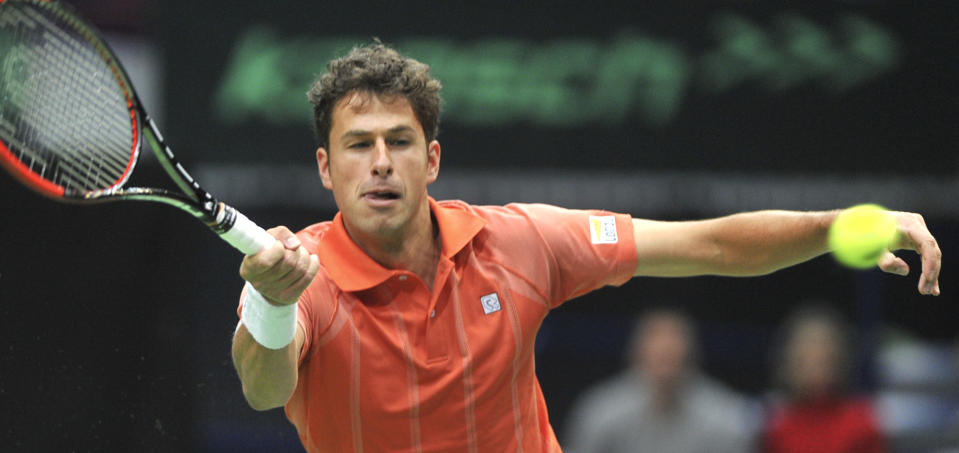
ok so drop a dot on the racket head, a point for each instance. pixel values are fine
(69, 118)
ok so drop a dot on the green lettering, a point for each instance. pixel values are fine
(253, 78)
(559, 78)
(566, 81)
(640, 73)
(869, 49)
(808, 53)
(744, 53)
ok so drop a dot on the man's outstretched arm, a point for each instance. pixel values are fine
(268, 375)
(762, 242)
(280, 273)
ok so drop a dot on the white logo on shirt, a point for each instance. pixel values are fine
(602, 229)
(490, 303)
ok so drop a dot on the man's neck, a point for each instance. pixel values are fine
(417, 248)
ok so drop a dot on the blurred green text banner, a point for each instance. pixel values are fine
(847, 88)
(566, 81)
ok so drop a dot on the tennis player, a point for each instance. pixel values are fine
(407, 324)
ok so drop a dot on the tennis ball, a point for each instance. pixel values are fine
(859, 235)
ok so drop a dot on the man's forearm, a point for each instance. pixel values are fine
(746, 244)
(268, 375)
(762, 242)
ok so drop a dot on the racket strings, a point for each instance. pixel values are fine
(64, 110)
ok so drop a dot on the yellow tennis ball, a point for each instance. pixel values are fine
(859, 235)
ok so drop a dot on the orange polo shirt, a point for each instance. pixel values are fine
(389, 366)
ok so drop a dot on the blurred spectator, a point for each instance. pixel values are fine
(816, 414)
(661, 404)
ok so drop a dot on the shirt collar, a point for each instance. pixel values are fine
(353, 270)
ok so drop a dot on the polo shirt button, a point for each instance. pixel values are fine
(433, 313)
(402, 278)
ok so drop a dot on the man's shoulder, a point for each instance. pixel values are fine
(456, 204)
(523, 212)
(462, 206)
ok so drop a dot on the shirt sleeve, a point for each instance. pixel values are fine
(584, 250)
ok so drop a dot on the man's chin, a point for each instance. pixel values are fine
(379, 223)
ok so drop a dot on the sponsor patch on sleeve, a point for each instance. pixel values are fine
(602, 229)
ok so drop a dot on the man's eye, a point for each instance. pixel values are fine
(360, 145)
(399, 142)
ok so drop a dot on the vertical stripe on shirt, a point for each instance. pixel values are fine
(469, 403)
(514, 322)
(413, 388)
(355, 418)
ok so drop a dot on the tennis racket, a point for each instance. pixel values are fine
(71, 125)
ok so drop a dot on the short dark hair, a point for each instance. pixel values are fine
(378, 69)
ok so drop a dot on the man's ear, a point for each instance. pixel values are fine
(323, 165)
(433, 152)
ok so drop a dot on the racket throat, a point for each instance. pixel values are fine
(177, 173)
(224, 218)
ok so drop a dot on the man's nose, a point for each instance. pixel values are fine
(382, 163)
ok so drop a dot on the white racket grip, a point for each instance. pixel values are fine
(247, 236)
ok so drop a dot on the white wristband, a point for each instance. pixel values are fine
(271, 325)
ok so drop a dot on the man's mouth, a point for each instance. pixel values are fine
(382, 195)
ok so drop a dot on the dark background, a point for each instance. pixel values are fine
(115, 320)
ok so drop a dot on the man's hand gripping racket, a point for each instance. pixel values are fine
(281, 271)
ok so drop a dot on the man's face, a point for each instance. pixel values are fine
(378, 164)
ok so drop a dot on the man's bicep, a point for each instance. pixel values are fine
(673, 249)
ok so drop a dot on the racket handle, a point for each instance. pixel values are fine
(244, 235)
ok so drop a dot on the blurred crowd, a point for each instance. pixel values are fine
(664, 403)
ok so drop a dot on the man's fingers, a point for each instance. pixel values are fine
(314, 266)
(285, 236)
(272, 262)
(931, 263)
(289, 277)
(916, 236)
(893, 264)
(283, 270)
(298, 262)
(925, 244)
(256, 266)
(304, 281)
